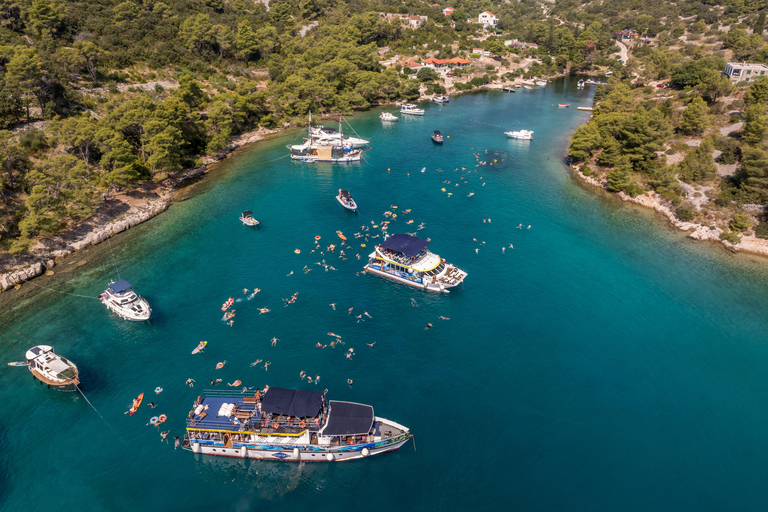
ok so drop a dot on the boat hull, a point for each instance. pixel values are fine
(311, 453)
(127, 315)
(68, 387)
(352, 208)
(419, 283)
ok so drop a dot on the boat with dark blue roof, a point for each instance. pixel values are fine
(404, 258)
(288, 425)
(120, 298)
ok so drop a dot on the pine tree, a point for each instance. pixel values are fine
(755, 124)
(696, 117)
(585, 140)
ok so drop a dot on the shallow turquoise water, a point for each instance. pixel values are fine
(604, 363)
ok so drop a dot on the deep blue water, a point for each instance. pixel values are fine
(604, 363)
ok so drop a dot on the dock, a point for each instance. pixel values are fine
(586, 109)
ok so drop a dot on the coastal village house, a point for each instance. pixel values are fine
(448, 11)
(487, 18)
(744, 72)
(626, 35)
(445, 65)
(413, 66)
(411, 20)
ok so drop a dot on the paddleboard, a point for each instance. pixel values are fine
(138, 403)
(200, 347)
(341, 235)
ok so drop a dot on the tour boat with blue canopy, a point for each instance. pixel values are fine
(50, 368)
(120, 298)
(288, 425)
(404, 258)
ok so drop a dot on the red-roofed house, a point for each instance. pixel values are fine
(413, 66)
(487, 18)
(533, 46)
(416, 21)
(448, 11)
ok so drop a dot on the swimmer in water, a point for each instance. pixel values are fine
(237, 383)
(371, 344)
(333, 305)
(221, 364)
(263, 310)
(350, 382)
(429, 326)
(274, 341)
(266, 365)
(444, 318)
(191, 382)
(256, 362)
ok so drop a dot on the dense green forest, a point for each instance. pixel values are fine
(673, 141)
(97, 97)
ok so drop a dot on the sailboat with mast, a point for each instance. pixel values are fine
(322, 149)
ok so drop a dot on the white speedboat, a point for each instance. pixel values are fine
(527, 87)
(441, 99)
(346, 200)
(541, 83)
(120, 298)
(405, 259)
(247, 218)
(411, 109)
(386, 116)
(50, 368)
(520, 134)
(291, 425)
(580, 84)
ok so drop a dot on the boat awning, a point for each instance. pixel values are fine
(58, 365)
(406, 244)
(120, 286)
(247, 213)
(345, 194)
(437, 133)
(348, 419)
(292, 402)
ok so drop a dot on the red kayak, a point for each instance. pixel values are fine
(136, 403)
(563, 104)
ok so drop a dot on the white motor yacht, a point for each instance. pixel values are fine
(520, 134)
(120, 298)
(411, 109)
(386, 116)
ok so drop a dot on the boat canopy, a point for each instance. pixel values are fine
(58, 366)
(247, 213)
(348, 419)
(120, 286)
(292, 402)
(406, 244)
(38, 350)
(345, 194)
(437, 133)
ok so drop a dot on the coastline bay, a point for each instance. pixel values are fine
(604, 362)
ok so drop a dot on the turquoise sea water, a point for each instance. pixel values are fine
(604, 363)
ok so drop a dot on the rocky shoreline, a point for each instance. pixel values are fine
(113, 216)
(749, 243)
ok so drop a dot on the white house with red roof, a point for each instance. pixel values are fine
(448, 11)
(487, 18)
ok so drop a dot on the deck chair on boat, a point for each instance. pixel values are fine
(199, 418)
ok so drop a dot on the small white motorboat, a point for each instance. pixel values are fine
(345, 199)
(120, 298)
(441, 99)
(541, 83)
(386, 116)
(411, 109)
(247, 218)
(520, 134)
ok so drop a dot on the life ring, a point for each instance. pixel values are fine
(317, 237)
(158, 390)
(162, 418)
(154, 420)
(302, 424)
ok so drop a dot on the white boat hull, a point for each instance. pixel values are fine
(352, 207)
(128, 314)
(410, 281)
(311, 453)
